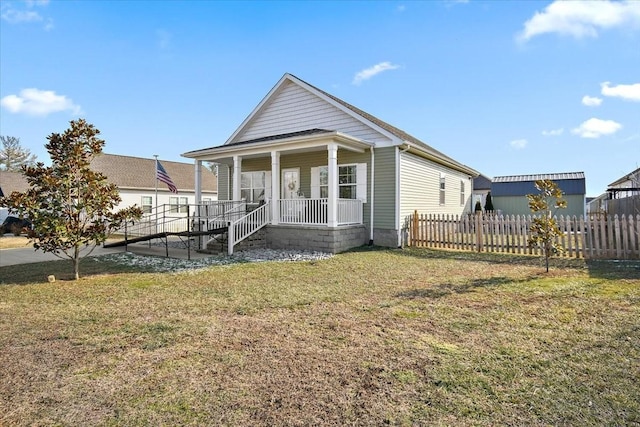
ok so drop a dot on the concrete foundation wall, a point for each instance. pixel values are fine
(332, 240)
(387, 238)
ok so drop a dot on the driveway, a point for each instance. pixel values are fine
(28, 255)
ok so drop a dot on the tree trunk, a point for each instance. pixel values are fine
(76, 262)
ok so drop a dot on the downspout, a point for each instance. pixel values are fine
(398, 154)
(373, 174)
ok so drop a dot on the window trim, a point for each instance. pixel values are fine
(266, 190)
(360, 183)
(181, 206)
(146, 208)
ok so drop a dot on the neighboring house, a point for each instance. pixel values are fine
(135, 178)
(334, 176)
(481, 187)
(509, 193)
(136, 181)
(10, 182)
(623, 195)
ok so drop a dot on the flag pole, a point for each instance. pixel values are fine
(155, 176)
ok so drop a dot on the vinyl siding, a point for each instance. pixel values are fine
(420, 187)
(519, 205)
(223, 182)
(385, 189)
(294, 109)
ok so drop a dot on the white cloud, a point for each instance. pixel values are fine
(366, 74)
(14, 15)
(35, 102)
(553, 132)
(595, 128)
(518, 144)
(591, 101)
(401, 8)
(627, 92)
(582, 18)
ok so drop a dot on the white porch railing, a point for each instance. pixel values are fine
(218, 213)
(349, 211)
(243, 227)
(314, 211)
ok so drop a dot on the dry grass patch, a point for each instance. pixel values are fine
(365, 338)
(9, 241)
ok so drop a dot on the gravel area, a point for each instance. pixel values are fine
(161, 264)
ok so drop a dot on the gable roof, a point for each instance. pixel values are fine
(571, 183)
(396, 135)
(140, 173)
(633, 176)
(536, 177)
(128, 173)
(482, 182)
(13, 181)
(396, 132)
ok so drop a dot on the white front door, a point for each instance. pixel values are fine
(290, 183)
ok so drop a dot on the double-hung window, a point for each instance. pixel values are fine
(147, 204)
(352, 182)
(347, 181)
(254, 186)
(442, 189)
(178, 204)
(462, 198)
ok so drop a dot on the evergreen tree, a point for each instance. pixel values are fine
(13, 156)
(488, 204)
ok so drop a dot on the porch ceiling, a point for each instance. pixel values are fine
(298, 142)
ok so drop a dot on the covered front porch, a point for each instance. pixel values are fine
(315, 178)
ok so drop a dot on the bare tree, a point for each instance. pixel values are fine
(13, 156)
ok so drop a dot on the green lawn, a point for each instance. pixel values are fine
(378, 337)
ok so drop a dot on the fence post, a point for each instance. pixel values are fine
(414, 229)
(230, 238)
(478, 232)
(188, 236)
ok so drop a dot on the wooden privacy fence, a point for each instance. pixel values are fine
(609, 237)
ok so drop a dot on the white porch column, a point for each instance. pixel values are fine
(332, 196)
(275, 187)
(198, 167)
(237, 169)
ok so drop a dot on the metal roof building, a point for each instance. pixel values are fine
(509, 193)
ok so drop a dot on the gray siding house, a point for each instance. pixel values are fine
(330, 176)
(509, 193)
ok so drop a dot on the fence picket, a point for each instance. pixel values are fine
(588, 237)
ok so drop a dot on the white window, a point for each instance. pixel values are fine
(352, 182)
(255, 186)
(442, 189)
(178, 204)
(147, 204)
(462, 198)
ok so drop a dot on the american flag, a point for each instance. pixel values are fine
(163, 176)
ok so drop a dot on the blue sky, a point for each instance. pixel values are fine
(505, 87)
